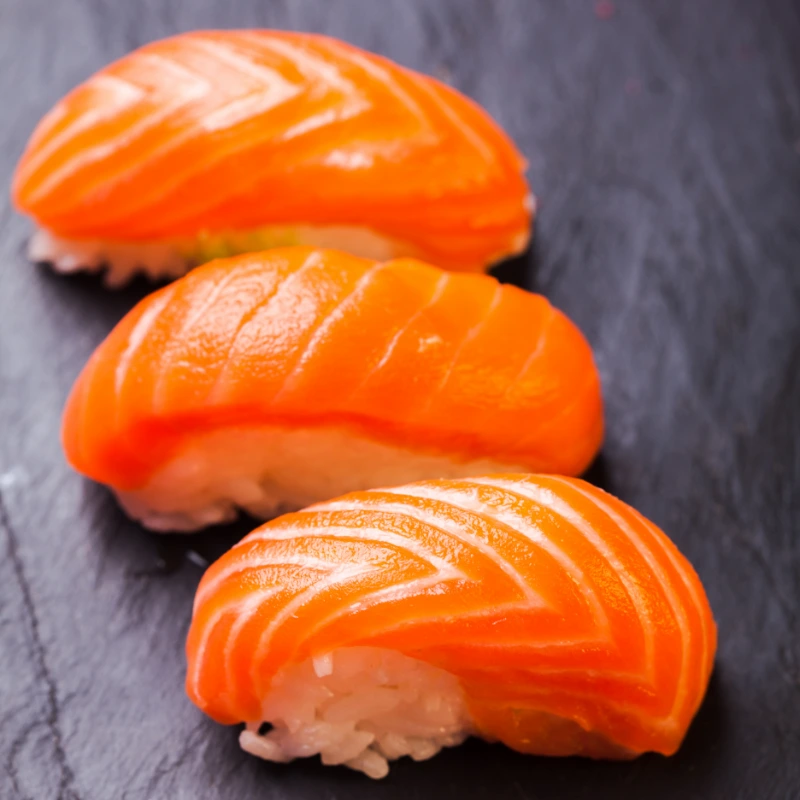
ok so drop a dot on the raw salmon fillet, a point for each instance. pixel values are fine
(286, 377)
(571, 623)
(216, 142)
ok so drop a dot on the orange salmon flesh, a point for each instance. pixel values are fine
(229, 131)
(572, 623)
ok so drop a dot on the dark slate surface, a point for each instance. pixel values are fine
(664, 143)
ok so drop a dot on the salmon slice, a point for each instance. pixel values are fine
(533, 610)
(217, 142)
(278, 379)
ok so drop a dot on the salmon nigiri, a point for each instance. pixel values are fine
(537, 611)
(213, 143)
(278, 379)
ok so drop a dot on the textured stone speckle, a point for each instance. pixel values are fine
(667, 168)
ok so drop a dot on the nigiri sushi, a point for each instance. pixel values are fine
(537, 611)
(270, 381)
(214, 143)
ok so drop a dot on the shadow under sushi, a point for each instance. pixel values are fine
(519, 270)
(478, 770)
(599, 474)
(148, 553)
(85, 296)
(481, 771)
(201, 548)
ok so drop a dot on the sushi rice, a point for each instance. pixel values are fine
(171, 258)
(362, 707)
(266, 469)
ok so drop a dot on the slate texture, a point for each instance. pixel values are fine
(664, 145)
